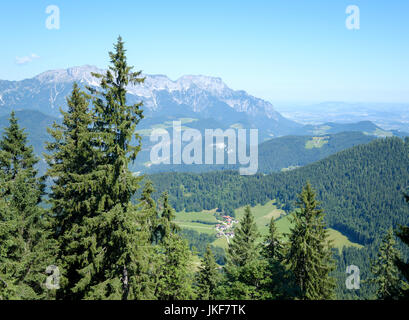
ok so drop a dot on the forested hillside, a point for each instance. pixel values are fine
(292, 151)
(101, 239)
(360, 188)
(36, 124)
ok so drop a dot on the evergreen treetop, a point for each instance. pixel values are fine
(208, 277)
(386, 275)
(26, 247)
(310, 255)
(243, 247)
(403, 266)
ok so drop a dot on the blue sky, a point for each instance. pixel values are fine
(286, 50)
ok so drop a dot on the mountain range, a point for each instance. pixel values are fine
(199, 102)
(199, 97)
(390, 116)
(203, 98)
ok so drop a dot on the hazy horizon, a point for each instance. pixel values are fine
(278, 51)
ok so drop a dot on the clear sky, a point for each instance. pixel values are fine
(280, 50)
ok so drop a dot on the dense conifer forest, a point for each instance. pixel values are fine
(101, 232)
(361, 190)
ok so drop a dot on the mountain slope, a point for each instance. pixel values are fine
(297, 151)
(283, 153)
(35, 124)
(360, 188)
(202, 96)
(274, 154)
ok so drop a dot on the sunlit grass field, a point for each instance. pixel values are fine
(262, 215)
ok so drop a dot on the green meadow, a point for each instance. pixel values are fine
(339, 240)
(316, 142)
(204, 222)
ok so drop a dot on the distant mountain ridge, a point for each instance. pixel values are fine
(283, 153)
(360, 188)
(199, 102)
(189, 96)
(193, 84)
(390, 116)
(202, 98)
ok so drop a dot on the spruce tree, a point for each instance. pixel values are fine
(310, 255)
(280, 283)
(26, 247)
(167, 225)
(173, 261)
(149, 208)
(75, 190)
(122, 234)
(208, 277)
(386, 275)
(16, 155)
(274, 246)
(107, 236)
(403, 266)
(174, 276)
(243, 248)
(245, 271)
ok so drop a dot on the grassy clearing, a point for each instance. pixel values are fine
(262, 215)
(189, 220)
(205, 215)
(316, 142)
(195, 263)
(339, 240)
(199, 227)
(284, 224)
(221, 242)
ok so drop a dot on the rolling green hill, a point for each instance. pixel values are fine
(360, 188)
(205, 221)
(296, 151)
(35, 124)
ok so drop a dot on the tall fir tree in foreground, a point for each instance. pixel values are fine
(280, 283)
(26, 246)
(104, 235)
(166, 223)
(174, 269)
(75, 192)
(242, 247)
(403, 266)
(245, 271)
(150, 211)
(208, 277)
(122, 233)
(310, 255)
(386, 275)
(173, 273)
